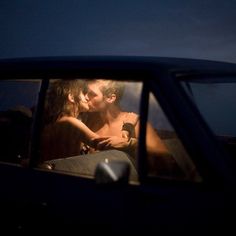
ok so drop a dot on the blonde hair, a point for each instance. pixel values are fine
(109, 87)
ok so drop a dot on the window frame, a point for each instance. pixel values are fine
(213, 167)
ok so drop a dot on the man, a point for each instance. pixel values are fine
(106, 118)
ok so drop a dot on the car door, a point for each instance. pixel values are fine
(58, 200)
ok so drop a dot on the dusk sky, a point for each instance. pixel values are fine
(169, 28)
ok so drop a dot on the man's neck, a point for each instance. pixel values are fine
(110, 115)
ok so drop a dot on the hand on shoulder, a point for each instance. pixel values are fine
(132, 118)
(129, 123)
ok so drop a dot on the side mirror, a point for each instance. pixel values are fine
(112, 172)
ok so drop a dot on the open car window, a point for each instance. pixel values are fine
(66, 150)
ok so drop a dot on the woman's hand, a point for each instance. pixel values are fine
(129, 123)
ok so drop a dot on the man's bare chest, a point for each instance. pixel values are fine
(110, 130)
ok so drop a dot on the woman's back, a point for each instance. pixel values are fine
(59, 140)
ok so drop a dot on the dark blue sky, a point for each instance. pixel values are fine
(191, 29)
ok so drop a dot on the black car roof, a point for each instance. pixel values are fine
(112, 62)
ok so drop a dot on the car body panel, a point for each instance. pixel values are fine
(33, 199)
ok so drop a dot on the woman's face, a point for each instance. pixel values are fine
(83, 104)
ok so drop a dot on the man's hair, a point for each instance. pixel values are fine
(109, 87)
(56, 103)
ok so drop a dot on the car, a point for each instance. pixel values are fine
(191, 105)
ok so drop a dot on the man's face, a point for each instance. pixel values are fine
(96, 101)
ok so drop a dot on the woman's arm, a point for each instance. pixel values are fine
(86, 135)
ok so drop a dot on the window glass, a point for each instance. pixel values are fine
(167, 157)
(215, 99)
(18, 99)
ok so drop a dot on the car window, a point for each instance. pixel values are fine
(18, 99)
(66, 148)
(215, 99)
(178, 164)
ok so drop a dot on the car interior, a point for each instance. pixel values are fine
(18, 114)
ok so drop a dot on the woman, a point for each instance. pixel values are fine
(63, 134)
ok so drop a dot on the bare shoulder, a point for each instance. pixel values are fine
(72, 121)
(68, 119)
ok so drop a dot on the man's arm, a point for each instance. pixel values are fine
(160, 160)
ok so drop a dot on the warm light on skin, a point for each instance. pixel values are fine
(83, 103)
(95, 97)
